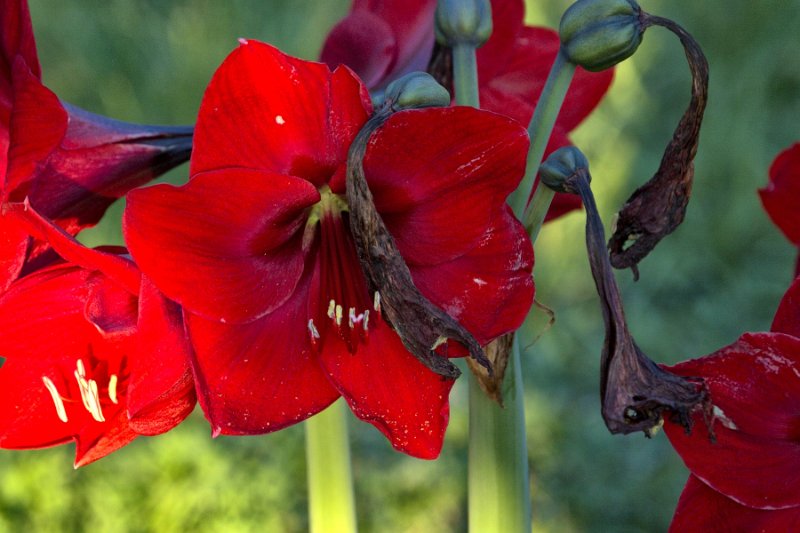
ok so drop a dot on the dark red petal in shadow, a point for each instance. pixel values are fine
(781, 196)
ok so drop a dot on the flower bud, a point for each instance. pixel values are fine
(598, 34)
(560, 166)
(415, 90)
(463, 22)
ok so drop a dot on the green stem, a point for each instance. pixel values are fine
(498, 484)
(465, 75)
(540, 128)
(499, 487)
(331, 503)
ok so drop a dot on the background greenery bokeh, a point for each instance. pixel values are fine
(719, 275)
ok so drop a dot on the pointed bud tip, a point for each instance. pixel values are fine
(598, 34)
(463, 22)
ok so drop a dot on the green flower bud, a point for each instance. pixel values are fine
(416, 89)
(562, 164)
(463, 22)
(598, 34)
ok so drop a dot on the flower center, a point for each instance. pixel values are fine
(101, 386)
(344, 304)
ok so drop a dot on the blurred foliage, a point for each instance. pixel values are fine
(719, 275)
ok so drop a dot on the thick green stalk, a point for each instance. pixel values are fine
(540, 128)
(498, 484)
(331, 503)
(498, 481)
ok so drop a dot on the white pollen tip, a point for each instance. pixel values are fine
(81, 368)
(243, 41)
(366, 320)
(351, 317)
(339, 315)
(331, 309)
(376, 302)
(112, 388)
(279, 120)
(312, 330)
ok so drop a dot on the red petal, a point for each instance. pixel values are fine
(438, 197)
(755, 387)
(13, 247)
(160, 388)
(787, 318)
(507, 22)
(16, 37)
(261, 376)
(704, 509)
(489, 289)
(235, 233)
(387, 387)
(38, 123)
(268, 111)
(116, 267)
(364, 42)
(111, 309)
(51, 301)
(102, 439)
(781, 196)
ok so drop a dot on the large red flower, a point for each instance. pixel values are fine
(99, 358)
(754, 458)
(71, 164)
(383, 39)
(256, 246)
(781, 196)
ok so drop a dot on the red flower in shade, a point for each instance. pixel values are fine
(383, 39)
(99, 358)
(71, 164)
(781, 196)
(256, 246)
(749, 474)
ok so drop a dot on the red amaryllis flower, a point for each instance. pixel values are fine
(99, 355)
(256, 246)
(781, 196)
(383, 39)
(71, 164)
(754, 458)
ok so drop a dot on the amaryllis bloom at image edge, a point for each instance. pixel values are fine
(781, 196)
(383, 40)
(68, 163)
(748, 475)
(93, 352)
(257, 249)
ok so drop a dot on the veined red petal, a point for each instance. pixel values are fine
(161, 387)
(507, 22)
(489, 289)
(754, 385)
(268, 111)
(260, 376)
(787, 318)
(781, 196)
(237, 233)
(701, 508)
(386, 386)
(16, 37)
(438, 197)
(100, 440)
(14, 242)
(109, 307)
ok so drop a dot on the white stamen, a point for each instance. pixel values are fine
(81, 369)
(376, 302)
(112, 388)
(89, 393)
(338, 315)
(279, 120)
(51, 388)
(366, 319)
(312, 330)
(351, 317)
(83, 386)
(94, 401)
(331, 309)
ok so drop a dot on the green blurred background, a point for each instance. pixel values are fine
(722, 273)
